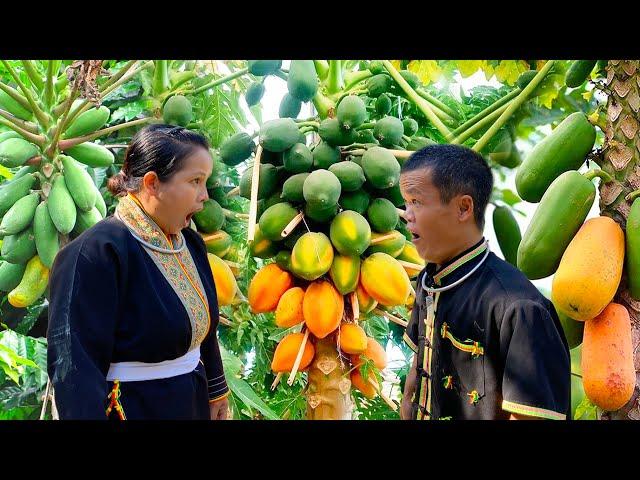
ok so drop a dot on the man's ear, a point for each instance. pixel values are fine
(465, 208)
(151, 183)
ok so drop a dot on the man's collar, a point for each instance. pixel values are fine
(464, 258)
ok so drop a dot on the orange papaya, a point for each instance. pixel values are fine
(352, 339)
(289, 309)
(385, 280)
(322, 307)
(287, 351)
(266, 288)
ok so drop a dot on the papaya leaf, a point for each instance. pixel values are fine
(510, 198)
(245, 393)
(586, 410)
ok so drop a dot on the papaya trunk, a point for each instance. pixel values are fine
(621, 159)
(328, 391)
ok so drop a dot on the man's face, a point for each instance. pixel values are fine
(436, 227)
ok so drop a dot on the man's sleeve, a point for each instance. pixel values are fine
(536, 379)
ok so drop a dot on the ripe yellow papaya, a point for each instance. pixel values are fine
(289, 309)
(322, 307)
(32, 286)
(374, 352)
(590, 269)
(385, 280)
(366, 388)
(225, 281)
(366, 302)
(352, 339)
(266, 288)
(287, 351)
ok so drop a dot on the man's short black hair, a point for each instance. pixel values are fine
(456, 170)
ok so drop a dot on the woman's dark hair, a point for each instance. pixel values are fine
(156, 148)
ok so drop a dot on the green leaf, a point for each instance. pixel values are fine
(243, 390)
(128, 111)
(586, 410)
(510, 198)
(10, 372)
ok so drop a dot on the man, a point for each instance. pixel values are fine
(488, 345)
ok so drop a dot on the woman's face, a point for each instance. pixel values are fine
(184, 193)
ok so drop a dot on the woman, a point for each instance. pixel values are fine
(133, 308)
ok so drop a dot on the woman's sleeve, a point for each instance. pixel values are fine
(84, 299)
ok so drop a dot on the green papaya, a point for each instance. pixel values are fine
(218, 243)
(561, 212)
(380, 168)
(376, 67)
(345, 273)
(254, 93)
(289, 107)
(177, 110)
(349, 174)
(100, 205)
(264, 204)
(10, 134)
(632, 251)
(325, 155)
(85, 221)
(392, 246)
(322, 188)
(292, 188)
(302, 82)
(320, 213)
(14, 152)
(366, 136)
(262, 247)
(88, 122)
(378, 84)
(61, 206)
(525, 78)
(357, 201)
(210, 218)
(236, 149)
(19, 248)
(410, 127)
(383, 104)
(393, 194)
(564, 149)
(401, 226)
(261, 68)
(79, 183)
(351, 112)
(411, 78)
(46, 235)
(350, 233)
(382, 215)
(274, 158)
(573, 329)
(578, 72)
(388, 131)
(283, 260)
(418, 143)
(10, 275)
(14, 190)
(267, 183)
(331, 132)
(279, 135)
(298, 159)
(275, 219)
(20, 215)
(8, 103)
(91, 154)
(507, 232)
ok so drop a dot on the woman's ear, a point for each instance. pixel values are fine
(151, 183)
(465, 208)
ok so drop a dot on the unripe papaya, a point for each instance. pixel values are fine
(236, 149)
(382, 215)
(20, 215)
(225, 281)
(287, 350)
(366, 302)
(345, 273)
(292, 188)
(279, 135)
(357, 201)
(312, 256)
(322, 188)
(410, 127)
(100, 205)
(351, 112)
(10, 134)
(418, 143)
(302, 82)
(325, 155)
(14, 152)
(261, 68)
(87, 122)
(298, 159)
(254, 93)
(283, 260)
(378, 84)
(383, 104)
(350, 233)
(320, 213)
(289, 309)
(578, 72)
(79, 183)
(19, 248)
(388, 131)
(218, 243)
(589, 275)
(507, 232)
(267, 183)
(275, 219)
(380, 168)
(374, 352)
(349, 174)
(322, 307)
(352, 339)
(8, 103)
(211, 218)
(608, 372)
(392, 246)
(61, 206)
(10, 275)
(573, 329)
(177, 110)
(632, 250)
(32, 286)
(410, 254)
(366, 388)
(261, 246)
(331, 132)
(46, 235)
(85, 220)
(91, 154)
(266, 288)
(395, 288)
(289, 107)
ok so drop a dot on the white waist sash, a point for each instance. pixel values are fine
(137, 371)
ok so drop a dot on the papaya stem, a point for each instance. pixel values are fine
(393, 318)
(334, 80)
(160, 77)
(310, 123)
(225, 321)
(490, 109)
(37, 111)
(32, 73)
(219, 81)
(282, 75)
(323, 105)
(421, 103)
(13, 93)
(513, 106)
(68, 143)
(479, 125)
(438, 103)
(593, 173)
(63, 120)
(253, 205)
(632, 196)
(322, 68)
(119, 74)
(48, 91)
(231, 214)
(37, 139)
(351, 79)
(28, 126)
(406, 138)
(233, 192)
